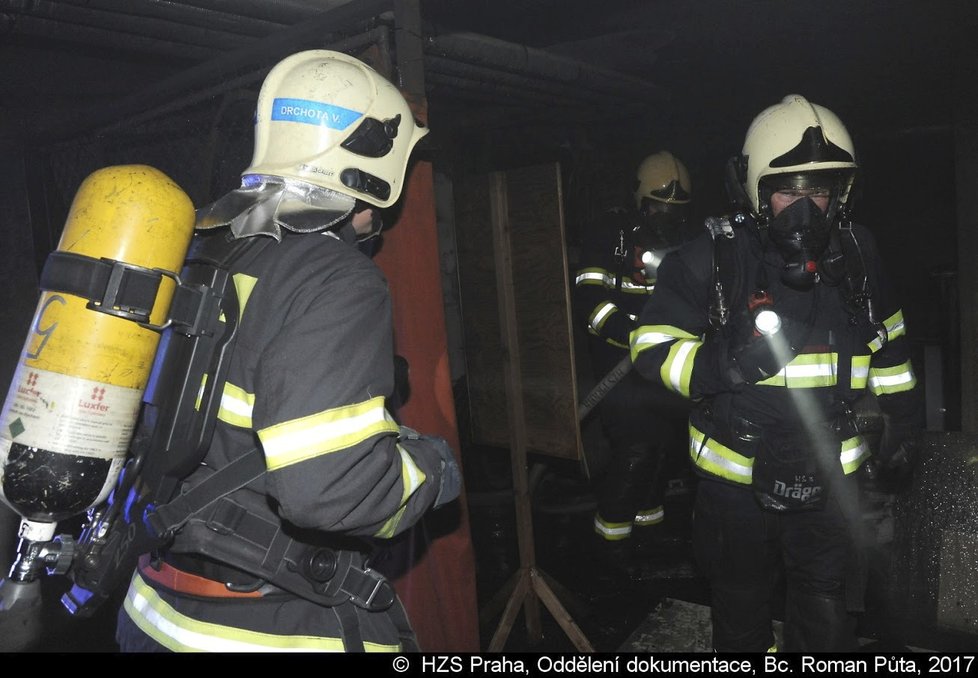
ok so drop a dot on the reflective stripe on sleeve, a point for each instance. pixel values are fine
(236, 406)
(860, 372)
(600, 316)
(337, 429)
(411, 479)
(677, 368)
(649, 336)
(595, 276)
(886, 380)
(895, 326)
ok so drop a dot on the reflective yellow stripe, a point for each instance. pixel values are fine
(719, 459)
(236, 406)
(180, 633)
(200, 392)
(244, 285)
(885, 380)
(632, 287)
(648, 336)
(677, 368)
(411, 479)
(595, 276)
(337, 429)
(604, 278)
(652, 516)
(612, 531)
(601, 315)
(895, 327)
(860, 372)
(855, 451)
(809, 370)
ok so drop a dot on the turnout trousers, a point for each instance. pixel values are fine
(743, 550)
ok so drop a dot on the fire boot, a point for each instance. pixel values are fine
(818, 623)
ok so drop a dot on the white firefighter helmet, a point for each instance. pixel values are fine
(328, 119)
(796, 142)
(663, 178)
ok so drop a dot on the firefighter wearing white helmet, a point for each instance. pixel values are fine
(771, 433)
(309, 384)
(642, 421)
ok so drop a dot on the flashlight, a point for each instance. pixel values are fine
(766, 320)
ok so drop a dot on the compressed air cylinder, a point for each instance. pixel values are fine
(75, 397)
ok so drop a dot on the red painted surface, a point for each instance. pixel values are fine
(439, 588)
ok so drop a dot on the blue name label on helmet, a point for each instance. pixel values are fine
(314, 113)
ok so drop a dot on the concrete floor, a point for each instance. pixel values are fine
(656, 601)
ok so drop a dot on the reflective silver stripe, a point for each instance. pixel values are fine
(860, 372)
(648, 339)
(329, 431)
(650, 517)
(679, 365)
(612, 531)
(891, 379)
(236, 406)
(592, 276)
(854, 451)
(895, 326)
(411, 479)
(719, 459)
(810, 370)
(601, 315)
(632, 286)
(178, 632)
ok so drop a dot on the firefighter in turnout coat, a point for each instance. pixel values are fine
(774, 323)
(642, 421)
(311, 371)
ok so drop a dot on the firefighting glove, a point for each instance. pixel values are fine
(891, 469)
(450, 476)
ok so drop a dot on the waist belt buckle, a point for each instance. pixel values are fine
(381, 595)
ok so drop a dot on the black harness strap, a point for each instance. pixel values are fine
(251, 543)
(113, 287)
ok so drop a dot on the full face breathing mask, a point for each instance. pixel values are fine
(801, 233)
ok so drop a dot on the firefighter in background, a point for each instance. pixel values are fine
(772, 435)
(642, 421)
(311, 371)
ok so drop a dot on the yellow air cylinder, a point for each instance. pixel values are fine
(72, 407)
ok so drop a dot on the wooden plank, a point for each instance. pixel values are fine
(565, 621)
(542, 309)
(513, 377)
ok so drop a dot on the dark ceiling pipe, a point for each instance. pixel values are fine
(107, 27)
(482, 50)
(258, 53)
(543, 89)
(80, 37)
(252, 79)
(190, 15)
(493, 92)
(271, 10)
